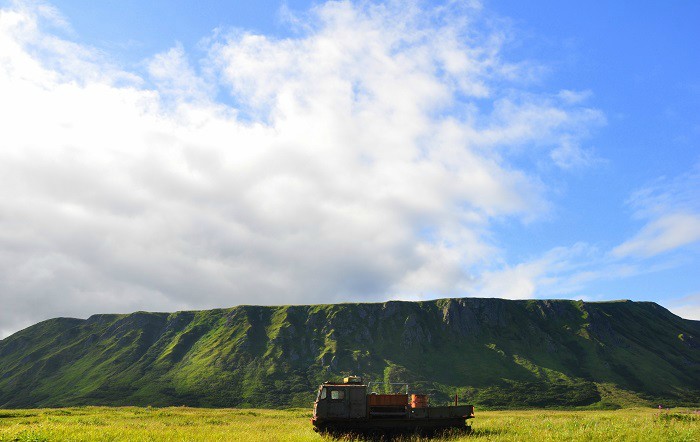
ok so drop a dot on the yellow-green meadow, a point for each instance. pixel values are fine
(190, 424)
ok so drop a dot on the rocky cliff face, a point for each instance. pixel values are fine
(494, 352)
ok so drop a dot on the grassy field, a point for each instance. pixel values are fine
(188, 424)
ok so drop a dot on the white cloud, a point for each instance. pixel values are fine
(687, 307)
(353, 163)
(570, 155)
(671, 209)
(662, 234)
(574, 97)
(559, 272)
(173, 75)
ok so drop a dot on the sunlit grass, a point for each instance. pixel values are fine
(188, 424)
(635, 424)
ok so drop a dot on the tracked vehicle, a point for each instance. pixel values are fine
(351, 407)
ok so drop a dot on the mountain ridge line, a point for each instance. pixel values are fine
(496, 352)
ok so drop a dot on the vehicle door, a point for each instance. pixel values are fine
(358, 402)
(321, 404)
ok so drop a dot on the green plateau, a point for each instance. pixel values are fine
(493, 353)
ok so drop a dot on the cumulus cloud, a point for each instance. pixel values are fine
(365, 157)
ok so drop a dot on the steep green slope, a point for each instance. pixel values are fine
(494, 352)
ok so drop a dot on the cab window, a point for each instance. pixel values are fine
(337, 394)
(322, 394)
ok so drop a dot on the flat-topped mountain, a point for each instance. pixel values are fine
(492, 352)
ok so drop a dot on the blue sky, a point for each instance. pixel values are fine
(188, 155)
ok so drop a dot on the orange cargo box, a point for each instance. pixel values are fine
(387, 400)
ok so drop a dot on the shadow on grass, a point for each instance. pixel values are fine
(487, 432)
(440, 436)
(680, 417)
(11, 414)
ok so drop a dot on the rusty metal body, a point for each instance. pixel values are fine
(346, 407)
(419, 400)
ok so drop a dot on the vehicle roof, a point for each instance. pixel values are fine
(342, 384)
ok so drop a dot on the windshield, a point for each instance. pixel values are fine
(321, 394)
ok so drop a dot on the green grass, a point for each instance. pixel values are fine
(154, 424)
(191, 424)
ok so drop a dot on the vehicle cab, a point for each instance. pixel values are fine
(341, 400)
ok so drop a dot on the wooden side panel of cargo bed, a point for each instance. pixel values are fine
(387, 400)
